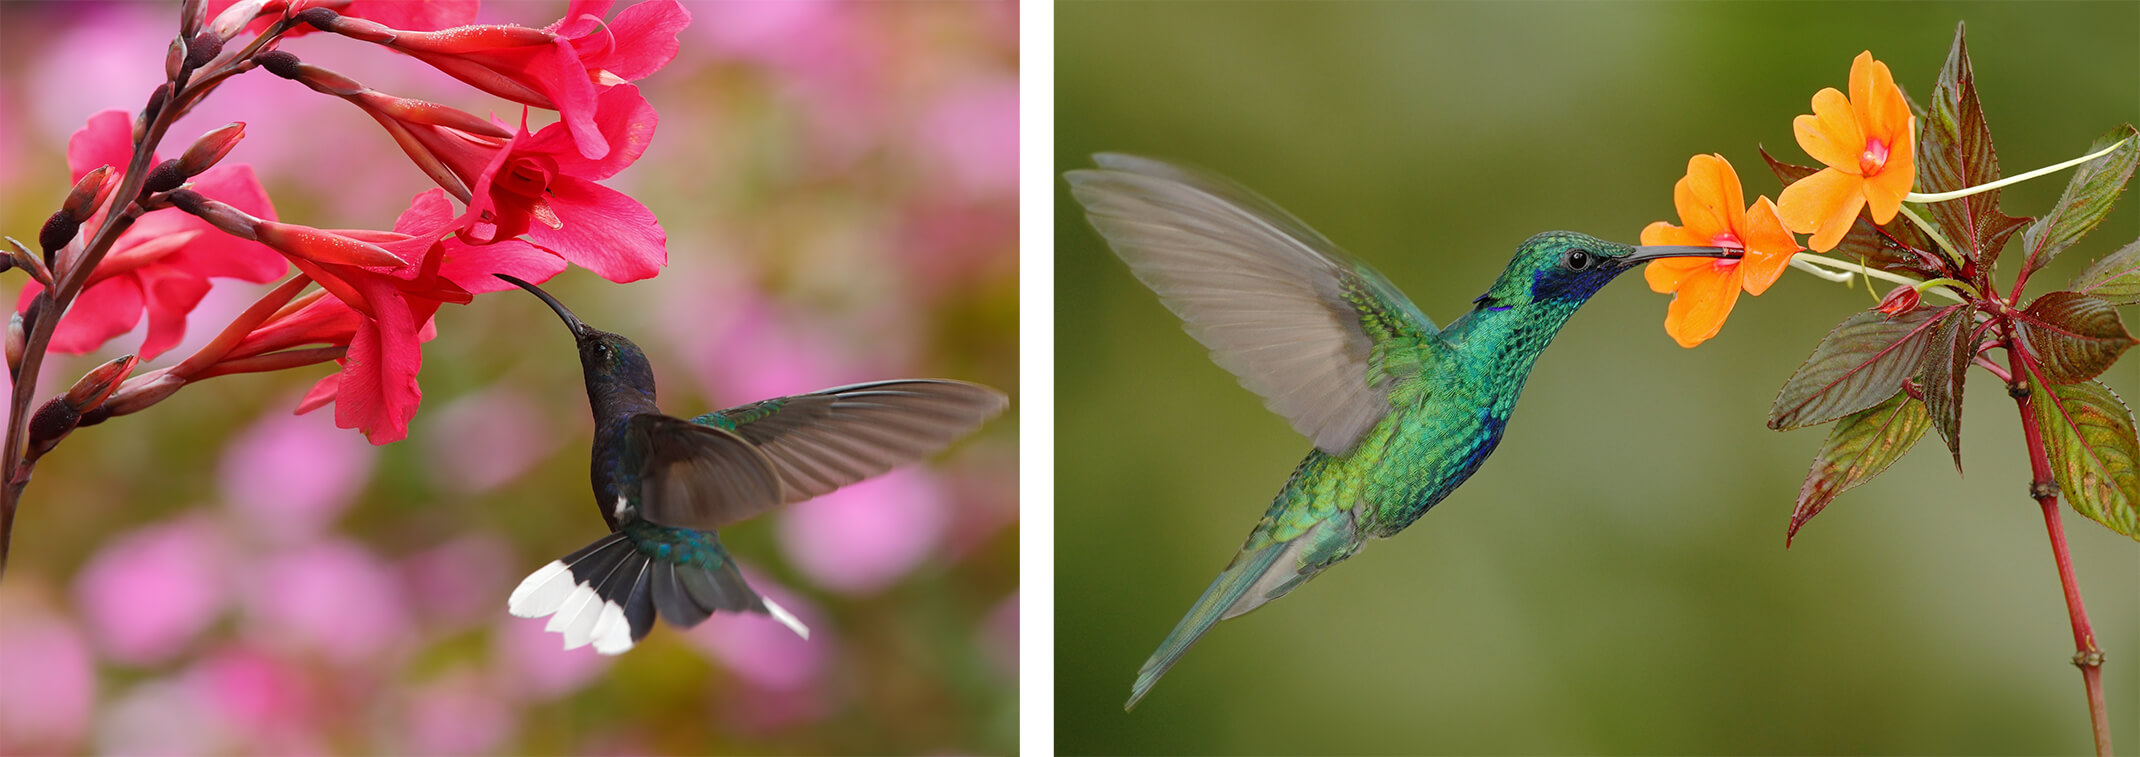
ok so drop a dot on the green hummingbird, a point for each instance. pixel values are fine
(664, 485)
(1401, 412)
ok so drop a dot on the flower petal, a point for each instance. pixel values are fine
(1698, 312)
(104, 310)
(1884, 191)
(171, 294)
(1832, 134)
(106, 140)
(606, 231)
(1809, 201)
(1708, 196)
(1883, 113)
(1768, 248)
(1669, 274)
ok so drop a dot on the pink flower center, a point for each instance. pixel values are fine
(1726, 239)
(1873, 159)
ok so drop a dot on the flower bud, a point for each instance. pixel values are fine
(210, 148)
(231, 220)
(278, 63)
(201, 49)
(192, 15)
(52, 423)
(137, 394)
(235, 18)
(57, 232)
(88, 194)
(322, 246)
(174, 59)
(165, 177)
(99, 383)
(1904, 299)
(17, 341)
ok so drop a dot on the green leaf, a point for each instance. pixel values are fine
(1859, 364)
(2095, 186)
(2074, 336)
(1859, 448)
(1955, 152)
(1899, 246)
(2094, 452)
(2115, 278)
(1946, 366)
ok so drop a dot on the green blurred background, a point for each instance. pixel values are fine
(1615, 580)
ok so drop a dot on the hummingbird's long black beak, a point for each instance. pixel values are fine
(1646, 253)
(571, 321)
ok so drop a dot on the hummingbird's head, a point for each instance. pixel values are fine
(602, 354)
(1563, 269)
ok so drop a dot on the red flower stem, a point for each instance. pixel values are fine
(2044, 488)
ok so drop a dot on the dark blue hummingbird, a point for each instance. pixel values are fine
(665, 484)
(1401, 412)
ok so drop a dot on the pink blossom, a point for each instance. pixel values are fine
(46, 694)
(458, 583)
(273, 704)
(484, 440)
(761, 651)
(539, 185)
(333, 598)
(163, 262)
(456, 713)
(290, 477)
(971, 134)
(863, 537)
(147, 593)
(420, 15)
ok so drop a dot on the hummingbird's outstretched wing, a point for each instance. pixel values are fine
(824, 440)
(699, 476)
(1320, 336)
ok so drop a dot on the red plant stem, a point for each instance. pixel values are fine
(2044, 488)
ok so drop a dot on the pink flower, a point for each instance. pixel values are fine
(540, 186)
(290, 477)
(161, 264)
(149, 592)
(333, 598)
(457, 713)
(459, 582)
(862, 538)
(425, 15)
(50, 684)
(272, 703)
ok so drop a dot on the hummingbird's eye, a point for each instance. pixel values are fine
(1579, 260)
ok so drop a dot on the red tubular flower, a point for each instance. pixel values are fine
(540, 186)
(564, 67)
(383, 315)
(162, 263)
(426, 15)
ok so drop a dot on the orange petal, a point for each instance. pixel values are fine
(1882, 112)
(1698, 312)
(1832, 134)
(1884, 190)
(1768, 248)
(1669, 274)
(1704, 207)
(1861, 82)
(1664, 233)
(1808, 201)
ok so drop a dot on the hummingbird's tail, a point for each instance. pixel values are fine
(1253, 578)
(608, 592)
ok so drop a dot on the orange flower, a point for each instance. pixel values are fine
(1709, 200)
(1865, 140)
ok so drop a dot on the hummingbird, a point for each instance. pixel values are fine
(664, 485)
(1401, 412)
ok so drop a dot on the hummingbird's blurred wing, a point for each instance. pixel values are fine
(697, 476)
(1320, 336)
(824, 440)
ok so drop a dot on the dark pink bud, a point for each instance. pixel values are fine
(192, 15)
(52, 423)
(157, 100)
(278, 63)
(1904, 299)
(210, 148)
(318, 18)
(231, 220)
(137, 394)
(88, 194)
(201, 49)
(97, 385)
(58, 231)
(165, 177)
(323, 246)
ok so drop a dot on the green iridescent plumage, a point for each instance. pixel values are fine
(1401, 412)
